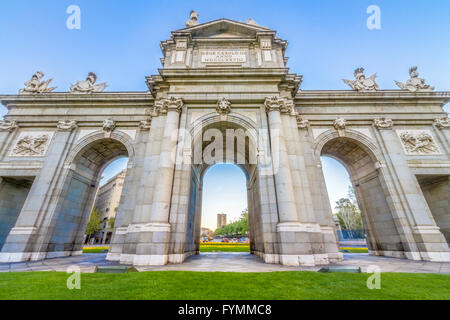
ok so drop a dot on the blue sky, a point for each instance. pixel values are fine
(328, 39)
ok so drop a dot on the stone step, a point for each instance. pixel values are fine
(115, 269)
(340, 269)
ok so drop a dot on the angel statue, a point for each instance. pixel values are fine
(414, 83)
(88, 85)
(36, 85)
(361, 83)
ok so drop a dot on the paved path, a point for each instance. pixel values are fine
(229, 262)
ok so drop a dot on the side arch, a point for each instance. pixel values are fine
(361, 139)
(366, 167)
(84, 165)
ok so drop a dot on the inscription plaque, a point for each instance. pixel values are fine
(224, 56)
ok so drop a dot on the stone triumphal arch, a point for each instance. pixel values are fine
(224, 94)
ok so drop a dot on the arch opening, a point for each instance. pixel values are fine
(436, 190)
(82, 187)
(371, 194)
(13, 194)
(224, 202)
(224, 143)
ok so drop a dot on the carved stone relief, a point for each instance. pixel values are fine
(418, 142)
(32, 144)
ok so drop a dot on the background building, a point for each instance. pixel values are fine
(107, 202)
(206, 232)
(221, 220)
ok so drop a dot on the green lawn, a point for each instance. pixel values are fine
(92, 250)
(355, 250)
(224, 248)
(169, 285)
(227, 248)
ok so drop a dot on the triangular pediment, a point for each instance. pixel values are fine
(224, 28)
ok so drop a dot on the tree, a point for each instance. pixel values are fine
(238, 227)
(94, 223)
(348, 213)
(111, 222)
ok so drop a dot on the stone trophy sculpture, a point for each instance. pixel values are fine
(361, 83)
(36, 85)
(88, 85)
(414, 83)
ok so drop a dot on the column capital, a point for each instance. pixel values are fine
(302, 123)
(173, 104)
(274, 104)
(67, 125)
(442, 123)
(289, 108)
(8, 126)
(383, 123)
(283, 105)
(162, 106)
(145, 125)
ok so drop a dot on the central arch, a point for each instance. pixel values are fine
(232, 139)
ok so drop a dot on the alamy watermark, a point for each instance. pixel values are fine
(74, 20)
(74, 280)
(374, 20)
(374, 281)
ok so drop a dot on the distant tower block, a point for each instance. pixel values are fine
(221, 220)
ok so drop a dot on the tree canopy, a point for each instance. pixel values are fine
(94, 222)
(348, 212)
(238, 227)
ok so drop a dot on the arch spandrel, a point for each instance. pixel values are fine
(96, 137)
(358, 138)
(235, 118)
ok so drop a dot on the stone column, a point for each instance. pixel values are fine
(282, 170)
(421, 237)
(265, 208)
(29, 238)
(129, 195)
(294, 244)
(322, 239)
(179, 207)
(157, 231)
(321, 206)
(163, 192)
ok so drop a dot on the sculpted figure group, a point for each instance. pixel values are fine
(413, 84)
(37, 86)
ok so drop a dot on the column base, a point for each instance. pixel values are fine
(335, 257)
(389, 254)
(306, 260)
(178, 258)
(417, 256)
(141, 259)
(113, 256)
(9, 257)
(429, 256)
(150, 259)
(310, 260)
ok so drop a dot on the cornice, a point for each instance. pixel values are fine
(339, 97)
(67, 99)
